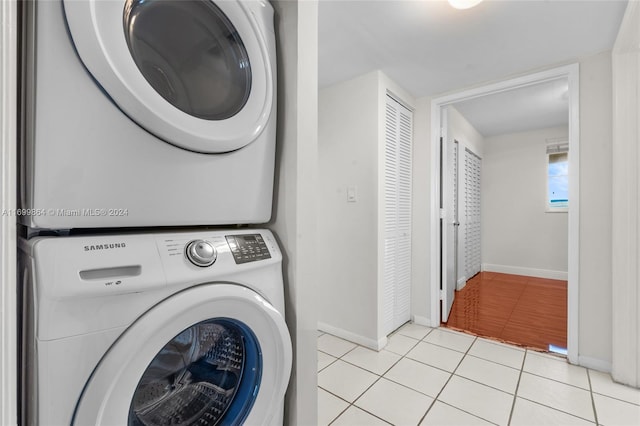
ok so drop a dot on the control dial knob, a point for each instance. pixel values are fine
(201, 253)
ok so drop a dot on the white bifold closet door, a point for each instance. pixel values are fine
(471, 234)
(397, 216)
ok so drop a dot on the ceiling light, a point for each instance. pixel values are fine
(464, 4)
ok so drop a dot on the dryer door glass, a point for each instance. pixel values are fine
(208, 374)
(191, 54)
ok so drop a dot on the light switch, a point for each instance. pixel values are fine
(352, 194)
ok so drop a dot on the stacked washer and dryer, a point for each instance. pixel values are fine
(148, 138)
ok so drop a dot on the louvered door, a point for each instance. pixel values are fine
(397, 215)
(472, 254)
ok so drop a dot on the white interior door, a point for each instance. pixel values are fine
(450, 225)
(397, 216)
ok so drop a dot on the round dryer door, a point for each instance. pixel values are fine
(212, 354)
(198, 74)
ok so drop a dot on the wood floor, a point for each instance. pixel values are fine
(523, 310)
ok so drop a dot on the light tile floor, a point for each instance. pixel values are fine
(441, 377)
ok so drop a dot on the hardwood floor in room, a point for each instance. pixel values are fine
(517, 309)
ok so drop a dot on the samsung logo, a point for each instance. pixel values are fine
(105, 246)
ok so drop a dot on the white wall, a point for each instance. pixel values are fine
(459, 128)
(422, 245)
(294, 214)
(518, 235)
(595, 210)
(351, 127)
(347, 156)
(626, 193)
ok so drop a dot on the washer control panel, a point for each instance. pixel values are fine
(248, 248)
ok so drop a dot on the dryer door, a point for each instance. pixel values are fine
(195, 73)
(212, 354)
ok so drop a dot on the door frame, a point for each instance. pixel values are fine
(571, 73)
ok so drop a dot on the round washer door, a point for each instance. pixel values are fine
(212, 354)
(195, 73)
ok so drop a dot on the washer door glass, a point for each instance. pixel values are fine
(191, 54)
(207, 374)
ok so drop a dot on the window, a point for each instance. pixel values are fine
(557, 177)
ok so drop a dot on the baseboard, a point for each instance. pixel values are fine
(462, 282)
(594, 363)
(417, 319)
(529, 272)
(376, 345)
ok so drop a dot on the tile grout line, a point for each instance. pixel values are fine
(515, 394)
(593, 401)
(447, 382)
(349, 404)
(352, 404)
(340, 398)
(381, 376)
(466, 412)
(556, 409)
(548, 406)
(557, 381)
(326, 366)
(484, 384)
(625, 401)
(446, 347)
(494, 362)
(376, 381)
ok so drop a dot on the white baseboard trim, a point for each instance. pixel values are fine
(376, 345)
(529, 272)
(594, 363)
(462, 282)
(417, 319)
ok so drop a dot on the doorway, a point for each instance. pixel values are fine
(441, 272)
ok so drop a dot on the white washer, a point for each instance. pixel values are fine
(138, 330)
(148, 113)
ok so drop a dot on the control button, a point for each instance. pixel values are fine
(201, 253)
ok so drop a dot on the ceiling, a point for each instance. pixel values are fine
(429, 48)
(528, 108)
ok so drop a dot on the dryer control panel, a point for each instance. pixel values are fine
(248, 248)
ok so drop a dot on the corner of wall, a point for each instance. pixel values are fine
(626, 189)
(421, 214)
(294, 215)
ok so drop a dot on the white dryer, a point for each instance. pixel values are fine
(154, 329)
(148, 113)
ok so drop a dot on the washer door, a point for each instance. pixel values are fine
(195, 73)
(212, 354)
